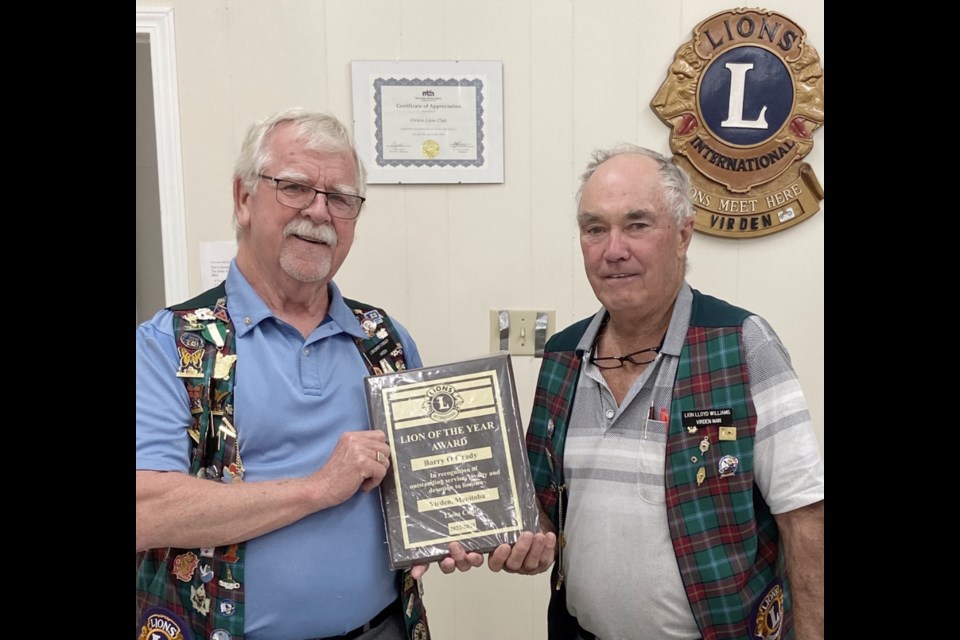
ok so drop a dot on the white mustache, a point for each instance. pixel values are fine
(306, 229)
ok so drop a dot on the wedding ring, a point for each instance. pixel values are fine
(382, 459)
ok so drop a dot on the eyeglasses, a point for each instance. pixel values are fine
(300, 196)
(615, 362)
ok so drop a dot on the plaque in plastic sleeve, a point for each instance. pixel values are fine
(459, 469)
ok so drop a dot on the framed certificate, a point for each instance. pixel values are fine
(429, 122)
(459, 469)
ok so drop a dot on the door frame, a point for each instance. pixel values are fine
(156, 26)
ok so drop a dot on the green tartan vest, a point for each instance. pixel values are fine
(194, 594)
(724, 536)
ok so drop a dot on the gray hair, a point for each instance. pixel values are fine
(676, 183)
(320, 131)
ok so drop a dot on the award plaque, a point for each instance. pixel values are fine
(459, 469)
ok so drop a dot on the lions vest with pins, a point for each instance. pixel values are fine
(193, 594)
(737, 590)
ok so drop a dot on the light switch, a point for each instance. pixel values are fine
(522, 333)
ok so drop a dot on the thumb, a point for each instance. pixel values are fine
(417, 570)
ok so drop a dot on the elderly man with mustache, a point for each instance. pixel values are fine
(255, 458)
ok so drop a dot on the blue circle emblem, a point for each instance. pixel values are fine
(746, 95)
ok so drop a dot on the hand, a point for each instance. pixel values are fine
(459, 559)
(532, 553)
(417, 570)
(359, 461)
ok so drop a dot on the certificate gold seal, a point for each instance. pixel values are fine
(430, 149)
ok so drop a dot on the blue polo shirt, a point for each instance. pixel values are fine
(293, 397)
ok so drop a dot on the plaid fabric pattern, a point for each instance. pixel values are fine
(547, 432)
(157, 586)
(414, 614)
(548, 425)
(724, 537)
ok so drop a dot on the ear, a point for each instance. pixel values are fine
(686, 235)
(241, 203)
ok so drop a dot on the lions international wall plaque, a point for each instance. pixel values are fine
(743, 99)
(459, 469)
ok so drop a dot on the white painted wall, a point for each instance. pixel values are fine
(577, 74)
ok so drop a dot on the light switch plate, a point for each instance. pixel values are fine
(520, 335)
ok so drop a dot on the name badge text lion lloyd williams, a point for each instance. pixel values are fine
(459, 469)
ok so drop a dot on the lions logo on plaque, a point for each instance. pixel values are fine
(443, 403)
(742, 99)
